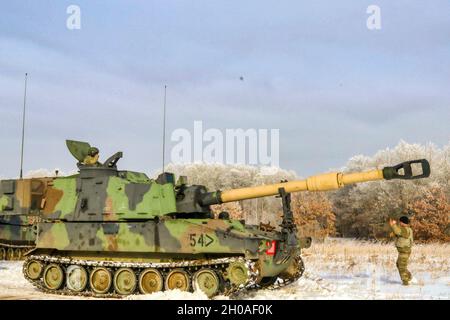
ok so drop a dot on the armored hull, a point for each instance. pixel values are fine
(20, 202)
(113, 259)
(17, 236)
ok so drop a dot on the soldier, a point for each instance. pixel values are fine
(92, 158)
(404, 241)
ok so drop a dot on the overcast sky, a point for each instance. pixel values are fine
(312, 69)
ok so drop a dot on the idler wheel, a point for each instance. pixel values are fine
(100, 280)
(150, 281)
(53, 276)
(77, 278)
(34, 269)
(125, 281)
(237, 273)
(207, 281)
(295, 269)
(177, 279)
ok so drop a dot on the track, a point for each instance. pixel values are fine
(220, 267)
(235, 275)
(13, 252)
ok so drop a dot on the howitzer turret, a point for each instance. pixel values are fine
(107, 232)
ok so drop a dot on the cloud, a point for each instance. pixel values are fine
(312, 70)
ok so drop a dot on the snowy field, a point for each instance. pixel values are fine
(336, 269)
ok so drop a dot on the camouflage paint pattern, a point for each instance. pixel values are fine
(193, 236)
(167, 240)
(124, 214)
(20, 207)
(16, 229)
(402, 264)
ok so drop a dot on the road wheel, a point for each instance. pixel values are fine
(177, 279)
(77, 278)
(150, 281)
(237, 273)
(10, 254)
(125, 281)
(2, 254)
(100, 280)
(34, 269)
(207, 281)
(53, 276)
(294, 271)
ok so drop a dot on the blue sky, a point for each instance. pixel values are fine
(311, 68)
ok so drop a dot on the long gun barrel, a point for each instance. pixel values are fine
(322, 182)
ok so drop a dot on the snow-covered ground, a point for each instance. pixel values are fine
(335, 269)
(343, 269)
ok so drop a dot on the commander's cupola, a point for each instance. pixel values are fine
(80, 151)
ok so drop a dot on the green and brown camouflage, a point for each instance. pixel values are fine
(403, 242)
(20, 202)
(122, 226)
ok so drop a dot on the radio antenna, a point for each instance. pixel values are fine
(23, 125)
(164, 130)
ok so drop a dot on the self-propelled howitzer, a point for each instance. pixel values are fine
(106, 232)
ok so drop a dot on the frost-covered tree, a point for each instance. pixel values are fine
(233, 208)
(432, 218)
(313, 213)
(362, 210)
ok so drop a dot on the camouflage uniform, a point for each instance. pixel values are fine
(404, 241)
(91, 161)
(92, 158)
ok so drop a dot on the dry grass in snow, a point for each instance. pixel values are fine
(349, 269)
(335, 269)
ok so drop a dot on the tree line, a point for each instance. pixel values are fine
(357, 211)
